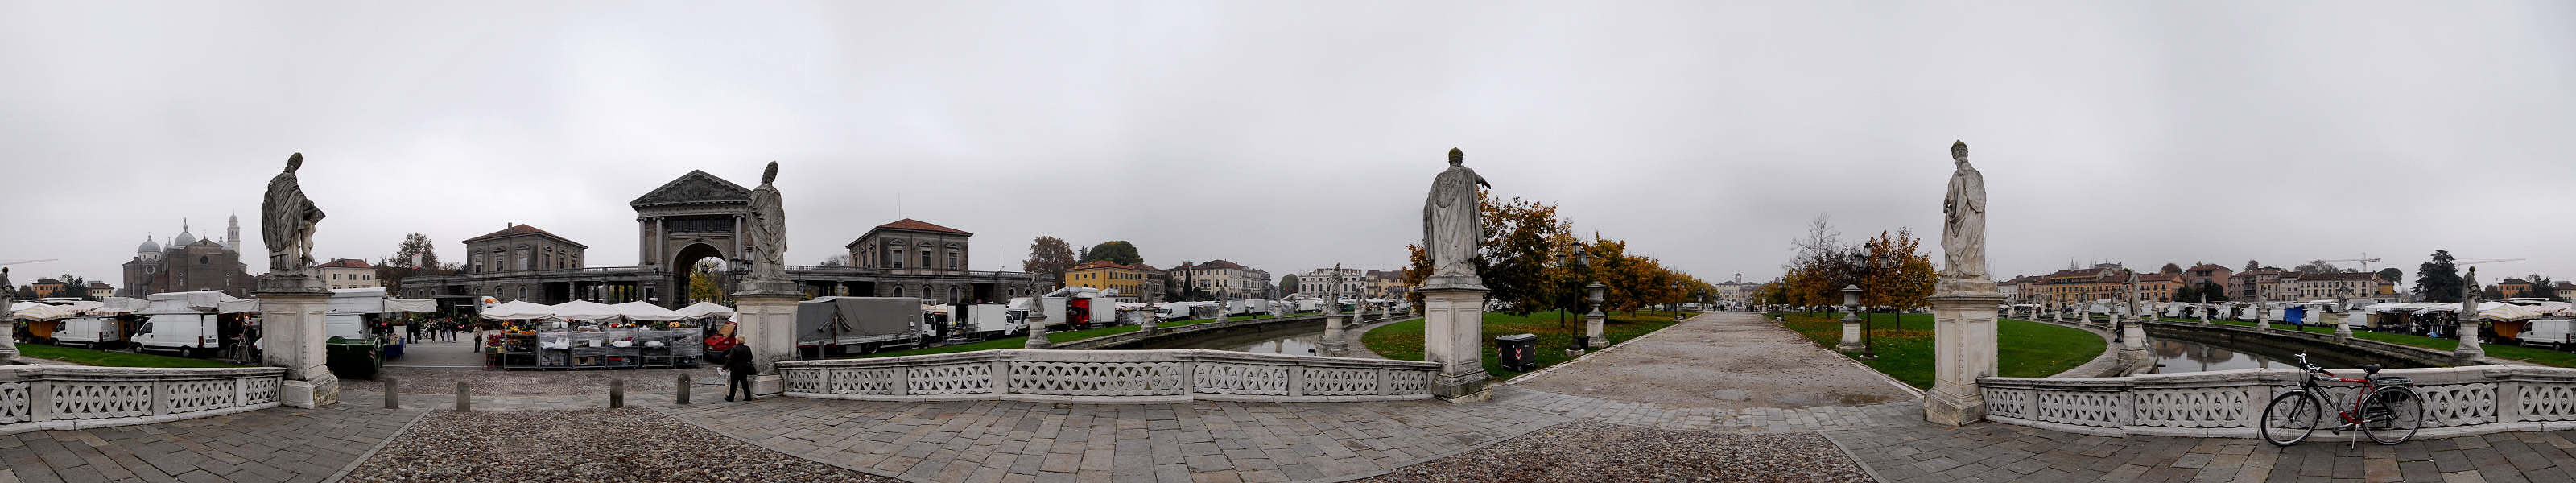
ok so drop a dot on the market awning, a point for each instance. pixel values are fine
(705, 309)
(639, 310)
(410, 305)
(518, 310)
(237, 306)
(38, 312)
(584, 310)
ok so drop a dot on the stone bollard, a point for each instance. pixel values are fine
(683, 392)
(393, 394)
(464, 398)
(616, 393)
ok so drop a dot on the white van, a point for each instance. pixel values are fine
(2555, 334)
(185, 333)
(91, 332)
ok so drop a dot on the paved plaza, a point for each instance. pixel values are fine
(1561, 425)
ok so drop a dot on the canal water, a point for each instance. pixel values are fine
(1284, 338)
(2179, 356)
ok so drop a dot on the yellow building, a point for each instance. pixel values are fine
(1129, 281)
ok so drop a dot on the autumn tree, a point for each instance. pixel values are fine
(705, 285)
(1288, 283)
(1049, 257)
(415, 256)
(1896, 271)
(1521, 238)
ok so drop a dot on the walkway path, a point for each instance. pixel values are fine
(280, 445)
(1729, 360)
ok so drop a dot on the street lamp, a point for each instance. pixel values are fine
(1868, 347)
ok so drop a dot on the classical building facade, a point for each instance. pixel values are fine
(2323, 286)
(1223, 279)
(188, 264)
(699, 216)
(342, 273)
(2104, 282)
(2211, 273)
(1320, 280)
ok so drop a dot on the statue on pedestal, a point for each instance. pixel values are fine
(1963, 229)
(1452, 227)
(768, 227)
(286, 223)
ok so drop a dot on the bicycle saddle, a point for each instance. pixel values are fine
(2369, 368)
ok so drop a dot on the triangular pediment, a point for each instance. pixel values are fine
(697, 187)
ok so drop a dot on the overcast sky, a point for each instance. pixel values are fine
(1293, 135)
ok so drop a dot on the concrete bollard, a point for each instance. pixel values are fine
(393, 394)
(682, 390)
(616, 393)
(464, 398)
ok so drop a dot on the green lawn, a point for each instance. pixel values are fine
(1018, 342)
(2500, 351)
(1904, 345)
(88, 357)
(1403, 340)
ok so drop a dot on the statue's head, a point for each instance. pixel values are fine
(1456, 157)
(294, 161)
(769, 175)
(1959, 151)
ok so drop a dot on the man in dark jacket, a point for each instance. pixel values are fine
(738, 369)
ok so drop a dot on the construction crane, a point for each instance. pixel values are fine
(2365, 260)
(21, 262)
(2492, 260)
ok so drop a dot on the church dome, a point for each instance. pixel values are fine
(184, 238)
(148, 246)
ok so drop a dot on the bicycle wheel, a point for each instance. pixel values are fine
(2394, 414)
(2290, 417)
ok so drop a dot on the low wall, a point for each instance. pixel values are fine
(1110, 377)
(1124, 339)
(2457, 401)
(2392, 355)
(47, 397)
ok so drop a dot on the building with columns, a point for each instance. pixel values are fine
(699, 217)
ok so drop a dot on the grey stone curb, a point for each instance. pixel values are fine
(1855, 457)
(380, 446)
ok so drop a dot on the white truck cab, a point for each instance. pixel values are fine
(186, 333)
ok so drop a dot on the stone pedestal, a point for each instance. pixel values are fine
(1851, 334)
(2133, 348)
(1334, 344)
(1453, 335)
(2469, 351)
(1963, 335)
(290, 330)
(2343, 332)
(1594, 339)
(767, 323)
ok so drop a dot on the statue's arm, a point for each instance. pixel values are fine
(1480, 181)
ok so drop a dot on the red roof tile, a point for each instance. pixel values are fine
(346, 263)
(520, 229)
(918, 225)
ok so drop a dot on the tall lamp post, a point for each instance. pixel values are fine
(1868, 344)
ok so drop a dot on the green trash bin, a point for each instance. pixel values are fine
(354, 359)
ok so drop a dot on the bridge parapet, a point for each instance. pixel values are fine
(51, 397)
(1111, 377)
(2458, 401)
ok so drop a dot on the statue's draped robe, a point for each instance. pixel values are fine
(286, 224)
(1963, 236)
(768, 235)
(1451, 228)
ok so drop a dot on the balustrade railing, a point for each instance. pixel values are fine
(1117, 377)
(2457, 401)
(42, 397)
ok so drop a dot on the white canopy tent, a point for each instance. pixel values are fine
(518, 310)
(38, 312)
(641, 311)
(237, 306)
(585, 310)
(705, 309)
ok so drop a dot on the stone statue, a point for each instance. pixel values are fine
(1451, 228)
(1963, 229)
(768, 225)
(286, 220)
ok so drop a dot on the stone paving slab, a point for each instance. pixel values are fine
(1999, 452)
(270, 445)
(1733, 360)
(984, 441)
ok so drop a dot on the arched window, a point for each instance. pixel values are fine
(898, 290)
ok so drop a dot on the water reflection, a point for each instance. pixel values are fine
(1300, 344)
(1294, 338)
(2175, 356)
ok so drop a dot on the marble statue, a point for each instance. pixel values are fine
(768, 226)
(286, 222)
(1963, 229)
(1451, 228)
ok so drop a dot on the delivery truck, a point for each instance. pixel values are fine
(860, 325)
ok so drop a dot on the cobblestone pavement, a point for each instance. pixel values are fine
(987, 441)
(1998, 452)
(1729, 360)
(271, 445)
(629, 445)
(1591, 452)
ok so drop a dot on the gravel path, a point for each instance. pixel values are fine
(1588, 452)
(625, 445)
(1731, 360)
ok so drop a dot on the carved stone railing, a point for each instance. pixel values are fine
(43, 397)
(1112, 377)
(2457, 401)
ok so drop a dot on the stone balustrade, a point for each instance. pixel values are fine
(47, 397)
(1112, 377)
(2457, 401)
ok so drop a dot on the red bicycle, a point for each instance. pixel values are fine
(2386, 409)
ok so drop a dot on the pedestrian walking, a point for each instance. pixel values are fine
(738, 370)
